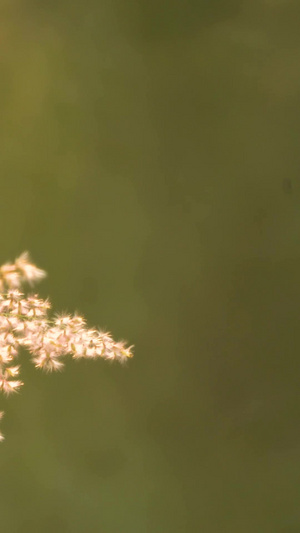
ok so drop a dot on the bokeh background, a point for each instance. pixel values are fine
(149, 156)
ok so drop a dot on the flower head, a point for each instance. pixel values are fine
(25, 322)
(29, 272)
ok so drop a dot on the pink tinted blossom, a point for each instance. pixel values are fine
(24, 322)
(29, 272)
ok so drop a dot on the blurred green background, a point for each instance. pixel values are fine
(150, 163)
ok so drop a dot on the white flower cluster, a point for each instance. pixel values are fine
(24, 322)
